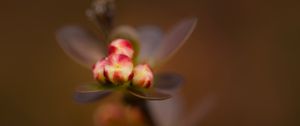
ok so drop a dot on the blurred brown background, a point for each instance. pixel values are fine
(243, 52)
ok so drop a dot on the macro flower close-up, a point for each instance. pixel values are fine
(126, 58)
(149, 63)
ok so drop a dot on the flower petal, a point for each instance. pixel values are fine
(173, 41)
(149, 94)
(80, 45)
(91, 92)
(150, 38)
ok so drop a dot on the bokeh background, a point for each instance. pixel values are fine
(243, 55)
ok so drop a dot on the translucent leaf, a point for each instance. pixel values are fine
(168, 81)
(150, 38)
(173, 40)
(91, 92)
(80, 45)
(149, 94)
(124, 31)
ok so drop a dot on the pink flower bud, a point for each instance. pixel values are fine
(142, 76)
(121, 46)
(118, 69)
(98, 70)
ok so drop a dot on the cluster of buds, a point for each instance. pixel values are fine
(118, 69)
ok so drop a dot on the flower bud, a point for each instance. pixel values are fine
(98, 70)
(118, 69)
(121, 46)
(142, 76)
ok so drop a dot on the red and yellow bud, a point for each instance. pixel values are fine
(118, 69)
(121, 46)
(143, 76)
(98, 70)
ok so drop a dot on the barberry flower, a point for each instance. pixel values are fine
(114, 69)
(120, 46)
(117, 65)
(98, 70)
(151, 47)
(118, 69)
(143, 76)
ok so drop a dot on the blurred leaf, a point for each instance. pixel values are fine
(150, 38)
(173, 41)
(81, 45)
(168, 81)
(148, 94)
(91, 92)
